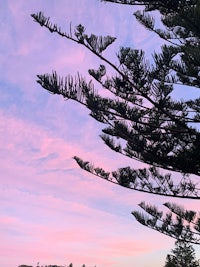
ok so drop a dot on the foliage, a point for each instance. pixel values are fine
(178, 223)
(183, 255)
(142, 119)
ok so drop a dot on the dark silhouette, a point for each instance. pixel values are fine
(144, 121)
(183, 255)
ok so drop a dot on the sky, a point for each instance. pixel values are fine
(51, 211)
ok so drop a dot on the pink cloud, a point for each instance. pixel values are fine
(51, 211)
(67, 227)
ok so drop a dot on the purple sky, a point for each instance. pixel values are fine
(50, 210)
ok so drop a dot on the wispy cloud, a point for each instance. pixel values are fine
(50, 210)
(44, 197)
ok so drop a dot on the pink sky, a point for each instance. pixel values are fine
(50, 210)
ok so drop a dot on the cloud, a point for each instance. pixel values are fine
(46, 199)
(69, 228)
(37, 155)
(51, 210)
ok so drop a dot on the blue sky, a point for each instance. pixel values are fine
(51, 211)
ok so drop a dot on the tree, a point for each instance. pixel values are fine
(178, 223)
(70, 265)
(143, 120)
(183, 255)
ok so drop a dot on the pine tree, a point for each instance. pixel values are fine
(143, 120)
(183, 255)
